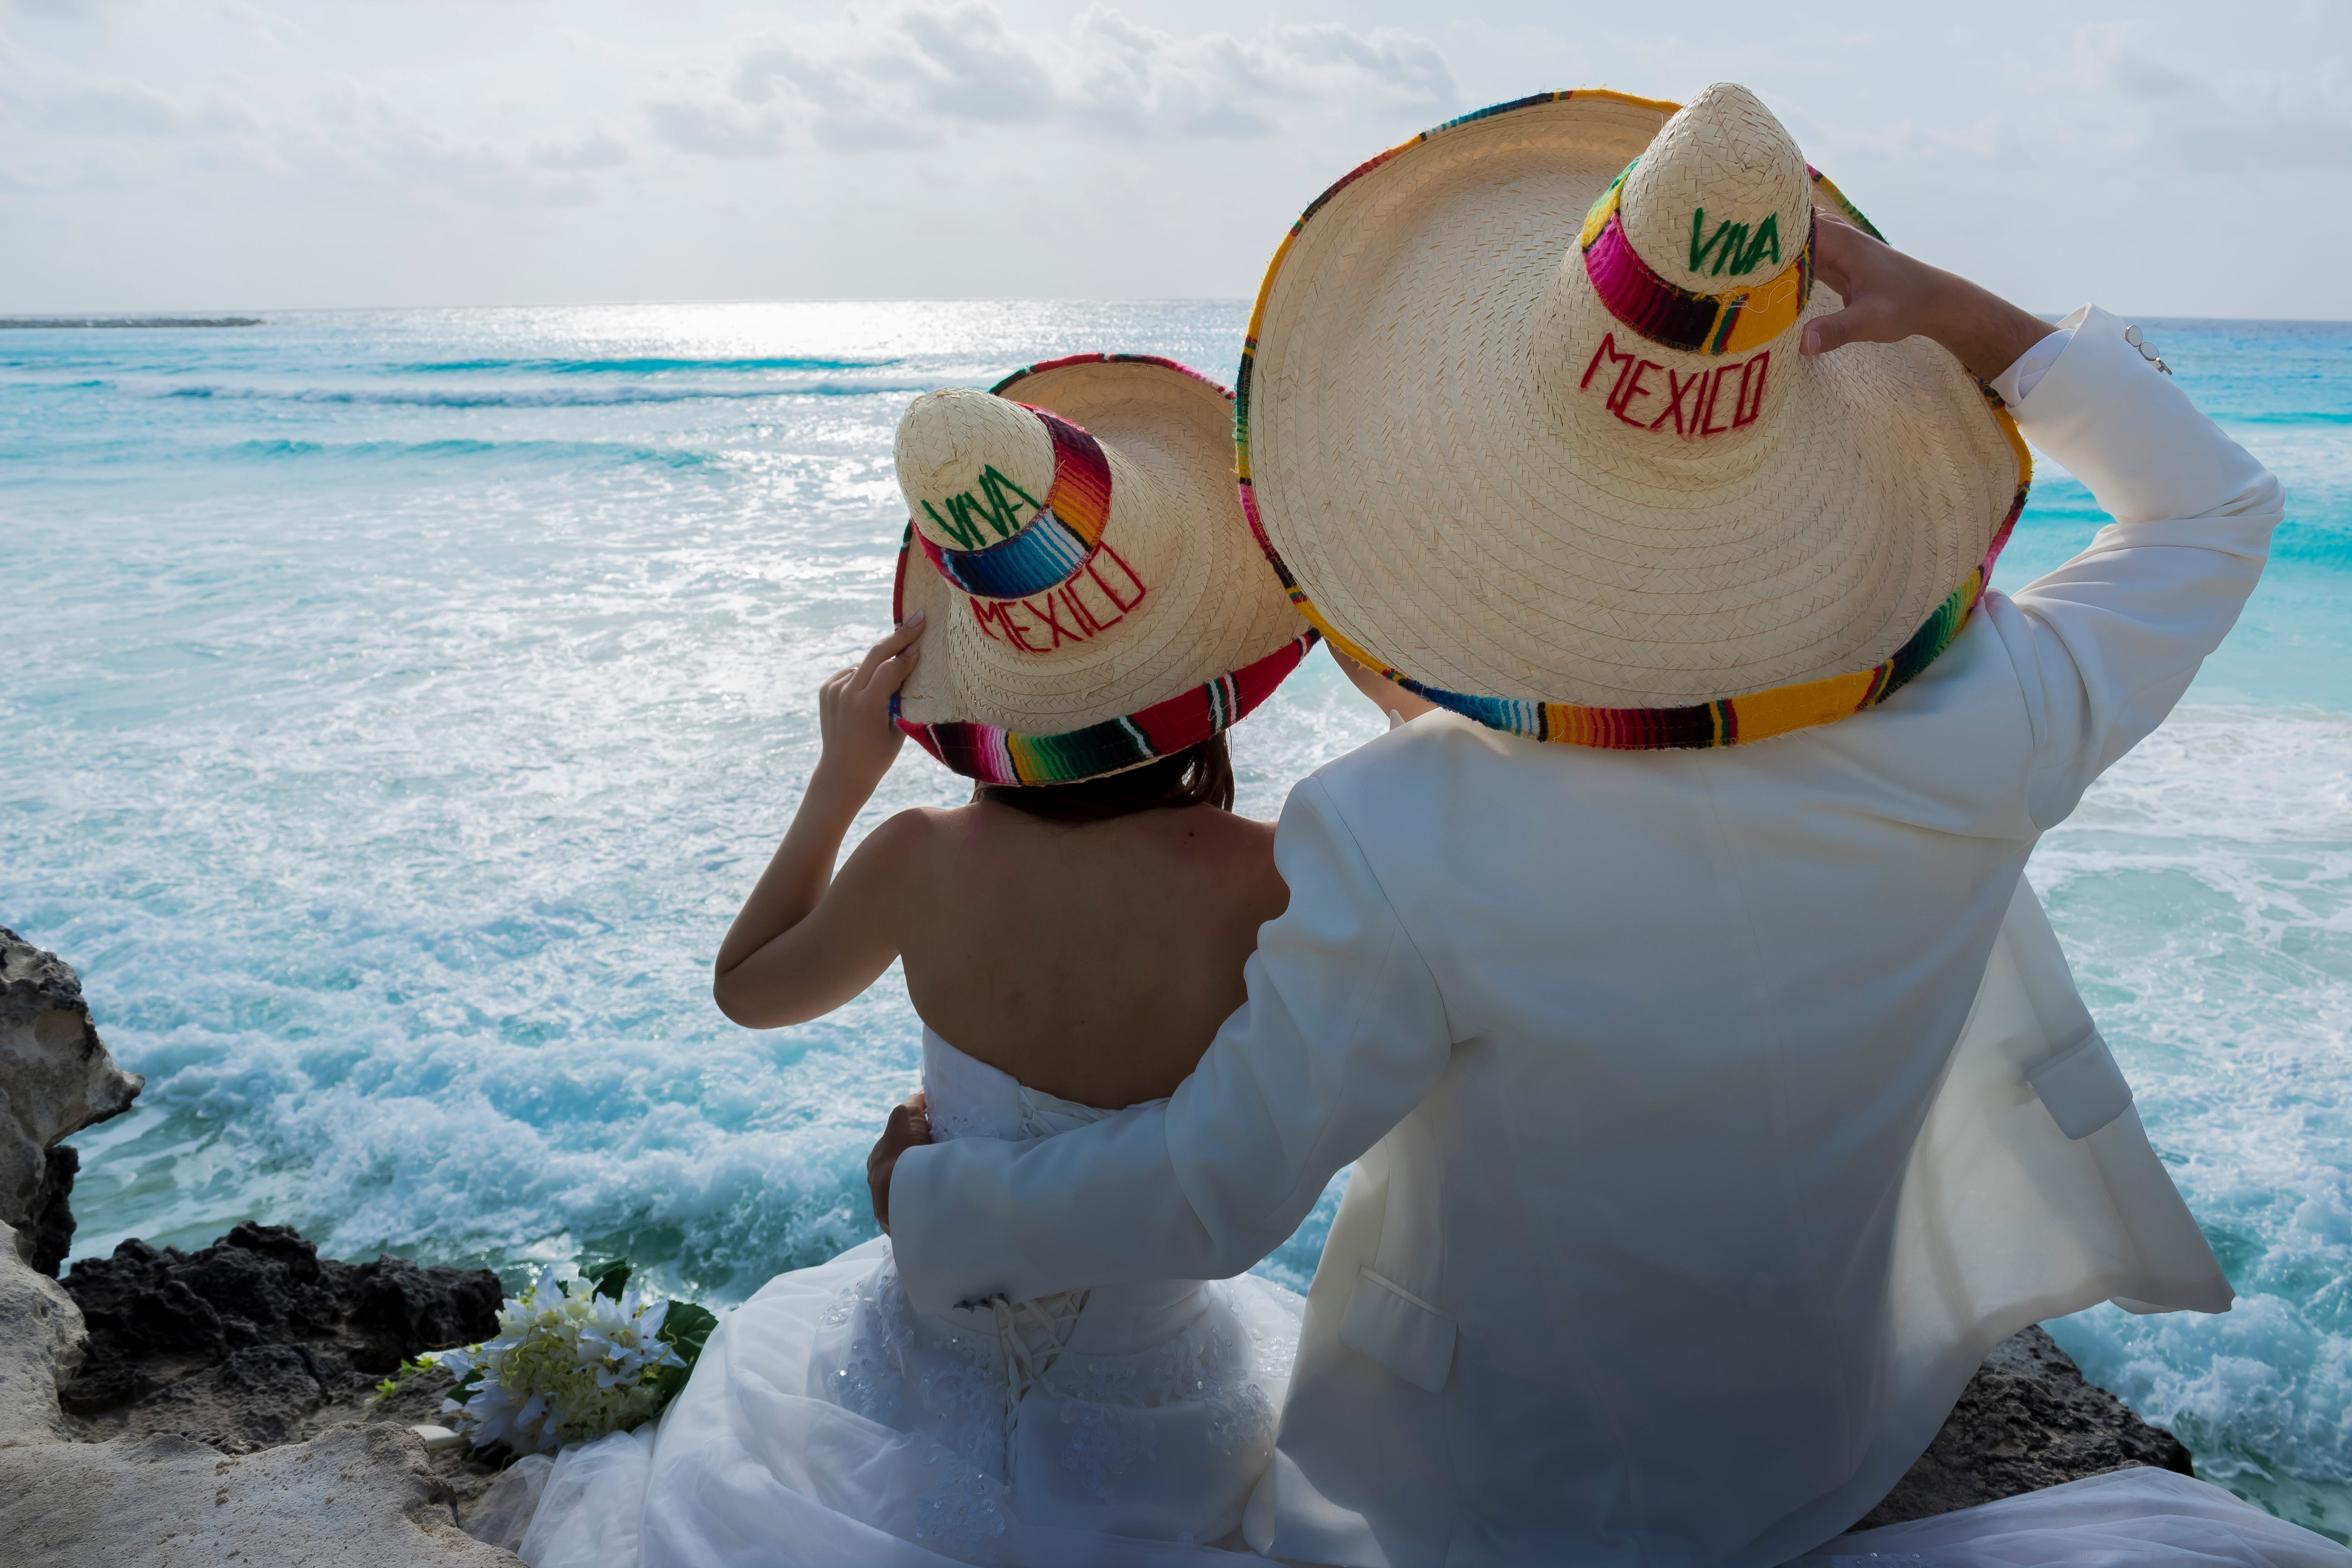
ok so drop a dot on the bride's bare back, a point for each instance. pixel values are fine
(1093, 961)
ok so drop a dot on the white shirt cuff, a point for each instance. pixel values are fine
(2016, 383)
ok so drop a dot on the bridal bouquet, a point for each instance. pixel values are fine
(577, 1356)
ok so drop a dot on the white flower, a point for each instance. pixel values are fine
(567, 1364)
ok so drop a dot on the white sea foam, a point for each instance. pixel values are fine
(2204, 892)
(391, 781)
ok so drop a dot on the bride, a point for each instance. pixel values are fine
(1083, 612)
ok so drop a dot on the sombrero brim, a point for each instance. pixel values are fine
(1430, 506)
(1208, 645)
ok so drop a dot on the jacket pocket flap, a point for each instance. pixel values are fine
(1400, 1331)
(2083, 1086)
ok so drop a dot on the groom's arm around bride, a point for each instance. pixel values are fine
(1631, 1047)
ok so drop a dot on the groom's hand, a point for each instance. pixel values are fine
(909, 1125)
(1890, 296)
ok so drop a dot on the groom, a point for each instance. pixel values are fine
(1631, 1039)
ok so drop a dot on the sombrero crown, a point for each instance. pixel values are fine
(1523, 424)
(1092, 594)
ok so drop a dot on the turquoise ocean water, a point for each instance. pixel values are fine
(396, 704)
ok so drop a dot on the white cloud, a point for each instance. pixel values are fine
(913, 75)
(2173, 116)
(131, 110)
(582, 154)
(295, 152)
(716, 130)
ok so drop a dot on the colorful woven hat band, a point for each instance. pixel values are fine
(1448, 422)
(1700, 724)
(994, 755)
(1032, 553)
(1732, 322)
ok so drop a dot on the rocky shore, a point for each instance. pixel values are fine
(161, 1407)
(219, 1407)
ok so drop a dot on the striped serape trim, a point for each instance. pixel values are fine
(994, 755)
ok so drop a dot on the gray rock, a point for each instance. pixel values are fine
(56, 1078)
(49, 1230)
(224, 1384)
(2027, 1420)
(355, 1497)
(40, 1347)
(160, 1318)
(345, 1494)
(255, 1399)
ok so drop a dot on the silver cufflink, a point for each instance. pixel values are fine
(2131, 336)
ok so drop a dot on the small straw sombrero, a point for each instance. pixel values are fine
(1094, 596)
(1523, 425)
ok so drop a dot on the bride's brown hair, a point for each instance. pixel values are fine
(1201, 774)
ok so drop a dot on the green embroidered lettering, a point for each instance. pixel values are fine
(1734, 249)
(1728, 240)
(1767, 234)
(967, 512)
(966, 539)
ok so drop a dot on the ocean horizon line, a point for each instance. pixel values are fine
(259, 315)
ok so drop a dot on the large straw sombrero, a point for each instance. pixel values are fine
(1094, 596)
(1523, 425)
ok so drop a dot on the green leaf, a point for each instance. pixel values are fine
(610, 1278)
(407, 1368)
(686, 1329)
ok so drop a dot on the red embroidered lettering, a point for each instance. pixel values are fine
(1133, 581)
(1751, 400)
(1693, 401)
(1087, 595)
(1044, 610)
(1678, 388)
(1609, 349)
(1001, 612)
(1708, 426)
(1634, 389)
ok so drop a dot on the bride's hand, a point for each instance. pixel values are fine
(909, 1125)
(853, 708)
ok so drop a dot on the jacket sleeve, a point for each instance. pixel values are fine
(1343, 1033)
(2106, 645)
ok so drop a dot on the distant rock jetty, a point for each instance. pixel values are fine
(35, 323)
(178, 1407)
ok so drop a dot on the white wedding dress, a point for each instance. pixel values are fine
(828, 1424)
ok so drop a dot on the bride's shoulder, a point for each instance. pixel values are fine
(914, 839)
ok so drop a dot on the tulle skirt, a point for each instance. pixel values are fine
(2126, 1519)
(829, 1425)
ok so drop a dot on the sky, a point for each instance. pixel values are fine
(2166, 159)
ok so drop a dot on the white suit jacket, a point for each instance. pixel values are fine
(1716, 1110)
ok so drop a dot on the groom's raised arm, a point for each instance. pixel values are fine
(1343, 1033)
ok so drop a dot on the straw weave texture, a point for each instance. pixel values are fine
(1199, 602)
(1434, 456)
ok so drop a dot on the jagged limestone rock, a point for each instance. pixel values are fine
(353, 1497)
(40, 1347)
(56, 1078)
(233, 1345)
(2027, 1420)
